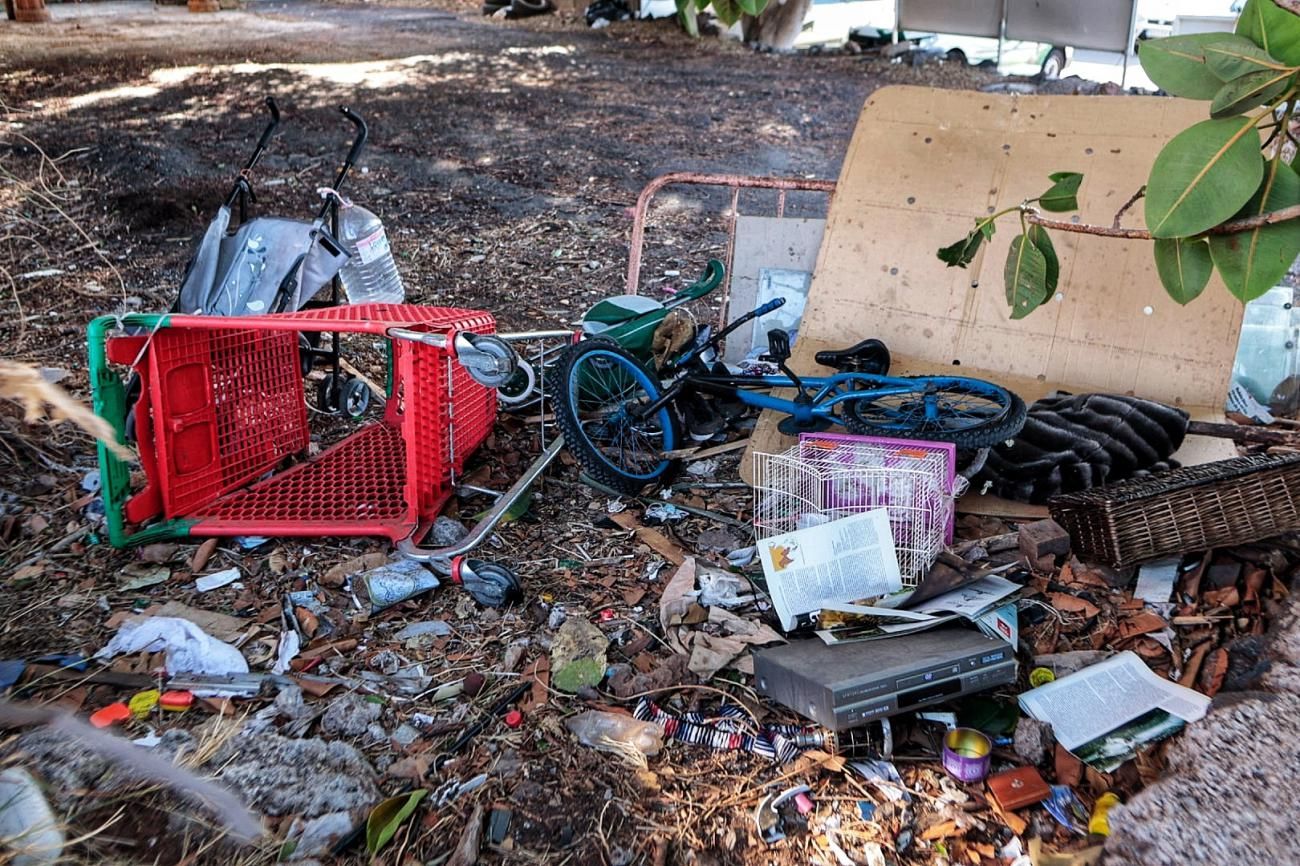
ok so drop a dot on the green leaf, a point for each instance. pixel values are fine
(1064, 194)
(1250, 90)
(1272, 29)
(1039, 237)
(1025, 275)
(750, 7)
(1184, 266)
(384, 820)
(1234, 56)
(1177, 65)
(1253, 262)
(962, 253)
(1203, 176)
(517, 509)
(728, 11)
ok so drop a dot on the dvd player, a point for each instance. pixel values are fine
(848, 684)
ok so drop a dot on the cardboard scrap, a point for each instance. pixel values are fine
(1067, 603)
(1143, 623)
(652, 538)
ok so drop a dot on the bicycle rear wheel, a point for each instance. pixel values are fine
(970, 413)
(602, 388)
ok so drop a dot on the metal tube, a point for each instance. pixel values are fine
(438, 341)
(521, 336)
(737, 181)
(440, 557)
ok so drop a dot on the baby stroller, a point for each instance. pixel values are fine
(270, 264)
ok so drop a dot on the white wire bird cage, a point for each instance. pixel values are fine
(828, 476)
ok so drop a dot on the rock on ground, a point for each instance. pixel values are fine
(279, 776)
(1228, 796)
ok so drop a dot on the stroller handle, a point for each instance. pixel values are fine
(357, 143)
(242, 189)
(350, 160)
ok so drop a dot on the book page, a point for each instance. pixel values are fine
(1093, 702)
(844, 560)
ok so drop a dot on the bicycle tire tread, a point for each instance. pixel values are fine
(592, 463)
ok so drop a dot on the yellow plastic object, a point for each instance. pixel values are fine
(142, 703)
(1099, 823)
(1041, 677)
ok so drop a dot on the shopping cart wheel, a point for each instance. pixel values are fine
(490, 584)
(356, 397)
(521, 385)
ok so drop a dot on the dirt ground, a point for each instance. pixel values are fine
(504, 158)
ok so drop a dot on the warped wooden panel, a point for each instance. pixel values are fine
(922, 165)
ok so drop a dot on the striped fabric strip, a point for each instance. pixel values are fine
(730, 730)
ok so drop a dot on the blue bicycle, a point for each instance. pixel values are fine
(620, 417)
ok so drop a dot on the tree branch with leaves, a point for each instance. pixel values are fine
(1221, 194)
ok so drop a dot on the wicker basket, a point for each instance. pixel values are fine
(1195, 508)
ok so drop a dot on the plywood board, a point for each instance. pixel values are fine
(922, 165)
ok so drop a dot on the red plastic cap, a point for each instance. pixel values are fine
(514, 719)
(177, 701)
(110, 715)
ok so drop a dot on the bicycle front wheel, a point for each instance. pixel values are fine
(603, 392)
(970, 413)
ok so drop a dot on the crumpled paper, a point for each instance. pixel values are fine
(190, 650)
(709, 653)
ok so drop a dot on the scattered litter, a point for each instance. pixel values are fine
(966, 754)
(290, 644)
(141, 576)
(30, 829)
(1156, 580)
(394, 582)
(251, 542)
(1099, 823)
(1068, 810)
(723, 588)
(841, 561)
(742, 557)
(664, 512)
(210, 582)
(704, 468)
(189, 649)
(435, 627)
(630, 738)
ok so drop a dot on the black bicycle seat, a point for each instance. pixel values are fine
(869, 356)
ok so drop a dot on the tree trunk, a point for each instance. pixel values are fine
(778, 25)
(31, 11)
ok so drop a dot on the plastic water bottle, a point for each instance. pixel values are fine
(370, 275)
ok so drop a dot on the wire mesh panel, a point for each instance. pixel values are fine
(829, 476)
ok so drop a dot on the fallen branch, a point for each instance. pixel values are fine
(1232, 227)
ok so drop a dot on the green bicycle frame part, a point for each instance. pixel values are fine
(109, 402)
(635, 331)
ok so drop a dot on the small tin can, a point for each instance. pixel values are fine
(966, 754)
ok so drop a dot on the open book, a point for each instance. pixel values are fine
(984, 602)
(1104, 713)
(840, 561)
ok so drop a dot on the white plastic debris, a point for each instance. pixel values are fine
(27, 823)
(290, 643)
(210, 582)
(435, 627)
(189, 649)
